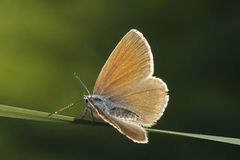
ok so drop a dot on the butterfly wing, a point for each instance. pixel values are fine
(131, 130)
(148, 99)
(129, 62)
(126, 80)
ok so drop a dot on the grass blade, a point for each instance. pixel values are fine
(28, 114)
(229, 140)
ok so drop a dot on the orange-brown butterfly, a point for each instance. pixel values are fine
(126, 94)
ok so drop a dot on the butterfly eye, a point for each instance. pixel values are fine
(86, 100)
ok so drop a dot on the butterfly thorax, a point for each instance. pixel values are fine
(110, 107)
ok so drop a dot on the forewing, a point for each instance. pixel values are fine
(129, 62)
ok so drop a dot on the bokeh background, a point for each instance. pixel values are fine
(196, 51)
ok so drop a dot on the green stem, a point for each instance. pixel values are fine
(28, 114)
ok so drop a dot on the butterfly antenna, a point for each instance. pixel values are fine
(75, 74)
(64, 108)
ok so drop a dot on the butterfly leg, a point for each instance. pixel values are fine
(92, 114)
(84, 113)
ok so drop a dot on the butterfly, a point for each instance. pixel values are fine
(126, 94)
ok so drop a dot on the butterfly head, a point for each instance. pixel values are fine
(87, 98)
(90, 100)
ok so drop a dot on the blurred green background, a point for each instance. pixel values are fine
(196, 52)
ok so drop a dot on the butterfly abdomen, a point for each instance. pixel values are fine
(124, 114)
(113, 109)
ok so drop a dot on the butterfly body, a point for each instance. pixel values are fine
(110, 107)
